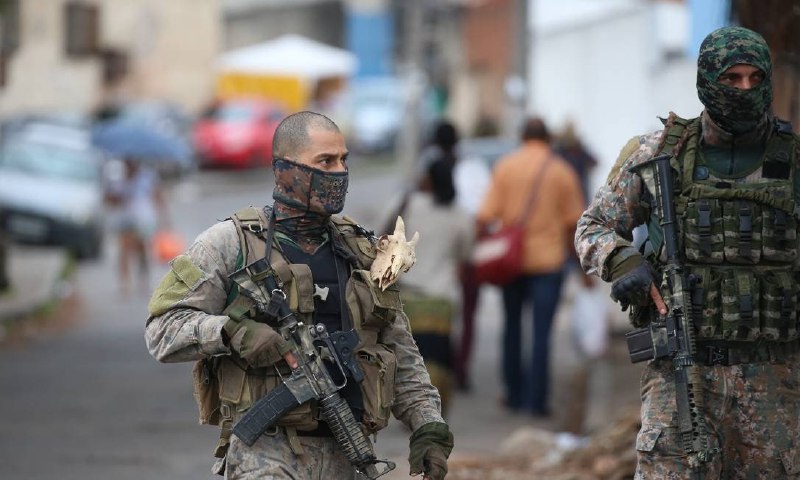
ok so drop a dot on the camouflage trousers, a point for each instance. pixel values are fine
(271, 458)
(753, 416)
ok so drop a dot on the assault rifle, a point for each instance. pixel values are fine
(311, 345)
(672, 335)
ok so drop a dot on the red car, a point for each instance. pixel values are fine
(237, 133)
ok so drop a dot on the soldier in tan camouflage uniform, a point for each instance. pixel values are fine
(737, 191)
(198, 314)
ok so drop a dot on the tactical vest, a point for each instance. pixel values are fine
(226, 386)
(738, 236)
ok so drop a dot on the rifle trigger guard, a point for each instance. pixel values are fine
(279, 292)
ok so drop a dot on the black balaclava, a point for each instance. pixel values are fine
(734, 110)
(305, 197)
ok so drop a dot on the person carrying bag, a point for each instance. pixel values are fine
(497, 256)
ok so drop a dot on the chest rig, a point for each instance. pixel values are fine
(225, 386)
(738, 235)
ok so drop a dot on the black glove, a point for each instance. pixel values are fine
(429, 447)
(631, 280)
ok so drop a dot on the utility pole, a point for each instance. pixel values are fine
(408, 144)
(517, 85)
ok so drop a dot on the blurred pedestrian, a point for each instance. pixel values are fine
(557, 205)
(433, 297)
(135, 203)
(570, 147)
(471, 179)
(735, 195)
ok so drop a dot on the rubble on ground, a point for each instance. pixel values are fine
(607, 454)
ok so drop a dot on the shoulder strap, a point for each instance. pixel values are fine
(359, 241)
(537, 182)
(673, 142)
(250, 223)
(674, 135)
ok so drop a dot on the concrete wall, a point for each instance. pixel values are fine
(171, 48)
(610, 76)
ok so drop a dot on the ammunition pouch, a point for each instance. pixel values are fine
(379, 365)
(370, 307)
(206, 391)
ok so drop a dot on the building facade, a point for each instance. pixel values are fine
(73, 56)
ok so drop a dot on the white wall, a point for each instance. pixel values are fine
(607, 73)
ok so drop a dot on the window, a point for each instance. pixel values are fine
(9, 34)
(81, 29)
(115, 66)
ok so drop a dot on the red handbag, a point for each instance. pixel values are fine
(497, 257)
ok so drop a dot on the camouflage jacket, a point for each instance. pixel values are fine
(186, 322)
(605, 230)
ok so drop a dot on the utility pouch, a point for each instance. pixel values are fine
(370, 307)
(707, 302)
(743, 224)
(779, 236)
(379, 365)
(740, 305)
(648, 343)
(703, 240)
(206, 391)
(778, 306)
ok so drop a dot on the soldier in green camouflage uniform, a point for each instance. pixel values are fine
(737, 191)
(197, 314)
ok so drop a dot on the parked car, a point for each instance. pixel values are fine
(51, 190)
(237, 133)
(375, 108)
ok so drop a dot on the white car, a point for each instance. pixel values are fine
(51, 190)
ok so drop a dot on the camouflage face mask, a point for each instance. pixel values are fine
(309, 189)
(733, 109)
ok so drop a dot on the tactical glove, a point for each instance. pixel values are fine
(258, 344)
(630, 281)
(430, 445)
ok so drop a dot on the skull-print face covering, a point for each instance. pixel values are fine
(304, 199)
(735, 110)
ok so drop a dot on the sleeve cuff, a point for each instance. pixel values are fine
(209, 336)
(617, 257)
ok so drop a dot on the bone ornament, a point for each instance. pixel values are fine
(395, 256)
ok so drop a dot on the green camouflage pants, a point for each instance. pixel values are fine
(753, 415)
(271, 458)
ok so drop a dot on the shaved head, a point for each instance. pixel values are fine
(291, 136)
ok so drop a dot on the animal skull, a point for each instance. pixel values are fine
(395, 256)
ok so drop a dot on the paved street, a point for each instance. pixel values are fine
(88, 401)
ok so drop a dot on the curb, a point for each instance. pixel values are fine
(17, 307)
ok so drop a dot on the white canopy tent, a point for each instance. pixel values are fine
(290, 55)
